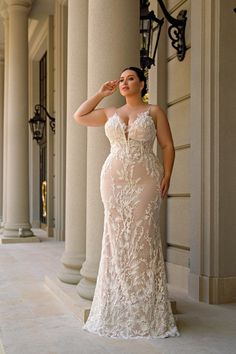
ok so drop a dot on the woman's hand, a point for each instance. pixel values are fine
(165, 183)
(87, 114)
(109, 87)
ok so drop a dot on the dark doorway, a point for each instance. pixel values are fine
(43, 144)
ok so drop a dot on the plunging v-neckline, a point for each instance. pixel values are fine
(126, 129)
(129, 125)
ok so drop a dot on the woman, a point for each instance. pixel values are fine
(131, 298)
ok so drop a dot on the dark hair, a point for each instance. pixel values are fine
(141, 77)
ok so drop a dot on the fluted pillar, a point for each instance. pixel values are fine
(113, 44)
(17, 199)
(75, 222)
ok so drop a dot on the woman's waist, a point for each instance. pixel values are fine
(127, 165)
(132, 149)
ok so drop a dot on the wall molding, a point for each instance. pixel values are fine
(213, 290)
(179, 100)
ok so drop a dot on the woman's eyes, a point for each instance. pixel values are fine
(129, 78)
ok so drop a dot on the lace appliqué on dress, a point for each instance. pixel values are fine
(131, 297)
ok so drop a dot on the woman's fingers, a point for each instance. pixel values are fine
(110, 86)
(164, 188)
(163, 191)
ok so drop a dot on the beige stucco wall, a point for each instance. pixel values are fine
(178, 111)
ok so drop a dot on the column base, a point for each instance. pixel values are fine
(86, 289)
(5, 239)
(86, 286)
(71, 265)
(212, 290)
(69, 275)
(17, 230)
(18, 233)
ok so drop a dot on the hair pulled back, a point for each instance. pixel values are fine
(141, 77)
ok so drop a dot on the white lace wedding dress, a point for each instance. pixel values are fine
(131, 298)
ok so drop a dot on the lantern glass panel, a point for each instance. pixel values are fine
(144, 32)
(39, 129)
(37, 125)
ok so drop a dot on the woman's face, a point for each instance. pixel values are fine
(130, 83)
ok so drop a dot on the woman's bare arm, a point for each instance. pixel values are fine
(87, 115)
(165, 140)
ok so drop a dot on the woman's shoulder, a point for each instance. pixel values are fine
(157, 112)
(155, 108)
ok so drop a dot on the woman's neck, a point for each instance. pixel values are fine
(134, 101)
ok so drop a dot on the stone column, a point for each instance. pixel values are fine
(75, 222)
(17, 224)
(113, 44)
(4, 14)
(1, 132)
(60, 81)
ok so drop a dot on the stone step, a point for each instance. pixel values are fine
(67, 293)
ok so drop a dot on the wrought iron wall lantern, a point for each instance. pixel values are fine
(150, 29)
(38, 123)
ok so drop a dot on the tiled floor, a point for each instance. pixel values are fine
(33, 321)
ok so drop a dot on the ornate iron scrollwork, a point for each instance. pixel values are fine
(176, 30)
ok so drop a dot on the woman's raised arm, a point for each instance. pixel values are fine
(87, 115)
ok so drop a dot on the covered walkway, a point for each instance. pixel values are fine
(33, 321)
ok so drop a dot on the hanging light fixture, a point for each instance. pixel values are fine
(38, 123)
(150, 28)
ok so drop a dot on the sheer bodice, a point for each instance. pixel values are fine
(136, 138)
(131, 298)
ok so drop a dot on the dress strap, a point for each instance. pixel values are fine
(149, 108)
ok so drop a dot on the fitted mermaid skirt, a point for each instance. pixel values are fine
(131, 297)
